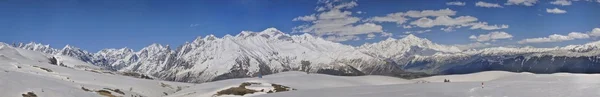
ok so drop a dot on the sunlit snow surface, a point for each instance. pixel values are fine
(504, 85)
(67, 82)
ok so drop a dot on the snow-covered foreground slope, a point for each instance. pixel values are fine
(296, 80)
(473, 77)
(496, 84)
(24, 71)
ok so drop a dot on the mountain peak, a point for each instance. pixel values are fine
(69, 47)
(271, 29)
(155, 45)
(227, 36)
(271, 32)
(244, 33)
(411, 37)
(210, 37)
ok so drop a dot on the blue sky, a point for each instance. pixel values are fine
(98, 24)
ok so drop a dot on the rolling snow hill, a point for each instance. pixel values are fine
(496, 84)
(23, 71)
(296, 80)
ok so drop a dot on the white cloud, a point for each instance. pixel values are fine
(335, 23)
(456, 3)
(485, 26)
(561, 2)
(487, 5)
(447, 29)
(556, 38)
(360, 12)
(556, 11)
(521, 2)
(194, 25)
(443, 21)
(346, 5)
(329, 5)
(401, 17)
(385, 34)
(491, 36)
(335, 14)
(398, 18)
(424, 19)
(426, 13)
(341, 38)
(595, 32)
(371, 35)
(420, 31)
(311, 17)
(577, 35)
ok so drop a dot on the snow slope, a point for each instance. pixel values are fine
(24, 71)
(296, 80)
(473, 77)
(499, 84)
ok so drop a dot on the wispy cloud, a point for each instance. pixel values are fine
(556, 11)
(433, 18)
(492, 36)
(561, 2)
(194, 25)
(559, 38)
(487, 5)
(456, 3)
(521, 2)
(334, 22)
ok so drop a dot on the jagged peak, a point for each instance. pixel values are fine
(70, 47)
(156, 45)
(198, 38)
(390, 39)
(3, 44)
(411, 37)
(210, 37)
(244, 33)
(124, 49)
(35, 44)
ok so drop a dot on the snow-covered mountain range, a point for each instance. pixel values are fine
(270, 51)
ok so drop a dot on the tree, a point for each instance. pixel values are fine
(305, 66)
(53, 61)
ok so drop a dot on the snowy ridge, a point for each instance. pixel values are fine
(37, 47)
(269, 51)
(247, 54)
(25, 71)
(117, 58)
(407, 46)
(150, 59)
